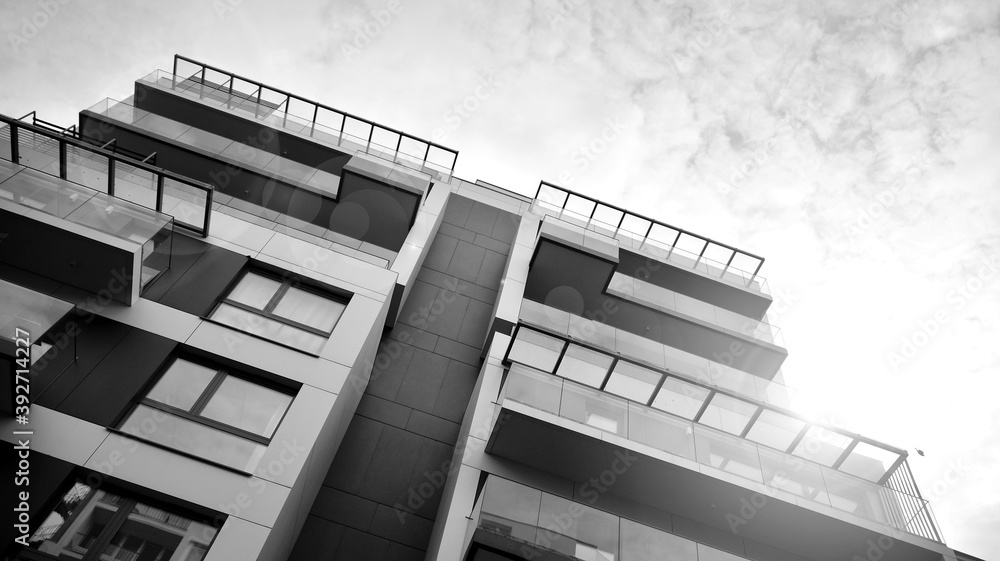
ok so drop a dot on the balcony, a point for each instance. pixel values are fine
(734, 274)
(685, 464)
(295, 118)
(99, 243)
(618, 342)
(670, 301)
(100, 168)
(532, 524)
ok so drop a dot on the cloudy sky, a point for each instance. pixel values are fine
(853, 144)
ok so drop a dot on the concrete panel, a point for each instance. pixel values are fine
(191, 480)
(237, 539)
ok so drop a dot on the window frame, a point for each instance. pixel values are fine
(130, 498)
(221, 373)
(286, 282)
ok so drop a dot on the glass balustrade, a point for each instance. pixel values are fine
(535, 520)
(724, 444)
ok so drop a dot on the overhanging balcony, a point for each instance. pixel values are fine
(697, 266)
(703, 473)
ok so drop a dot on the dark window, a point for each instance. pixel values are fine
(93, 524)
(209, 413)
(280, 310)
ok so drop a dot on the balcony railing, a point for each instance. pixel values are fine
(719, 448)
(103, 170)
(533, 520)
(659, 239)
(304, 117)
(654, 353)
(656, 296)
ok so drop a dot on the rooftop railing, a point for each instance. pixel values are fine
(99, 168)
(720, 449)
(661, 240)
(302, 116)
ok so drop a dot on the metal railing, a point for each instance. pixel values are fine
(67, 150)
(714, 258)
(637, 422)
(286, 108)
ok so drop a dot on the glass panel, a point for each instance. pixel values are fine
(642, 543)
(267, 328)
(186, 203)
(706, 553)
(5, 153)
(38, 151)
(151, 533)
(728, 414)
(821, 445)
(585, 366)
(728, 453)
(86, 168)
(182, 384)
(71, 529)
(534, 388)
(119, 218)
(510, 509)
(194, 438)
(661, 431)
(680, 398)
(868, 462)
(45, 193)
(246, 405)
(536, 349)
(254, 290)
(640, 348)
(309, 309)
(775, 430)
(577, 530)
(633, 382)
(594, 408)
(135, 185)
(793, 475)
(857, 497)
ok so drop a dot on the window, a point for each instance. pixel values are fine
(97, 524)
(280, 310)
(209, 413)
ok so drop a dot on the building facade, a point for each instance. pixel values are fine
(239, 324)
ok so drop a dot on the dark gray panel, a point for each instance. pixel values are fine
(112, 386)
(205, 281)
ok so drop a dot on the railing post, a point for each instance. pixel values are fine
(728, 263)
(62, 159)
(312, 128)
(256, 108)
(159, 192)
(755, 271)
(202, 94)
(371, 131)
(698, 260)
(111, 176)
(673, 245)
(284, 118)
(15, 151)
(427, 154)
(619, 227)
(648, 230)
(398, 144)
(343, 122)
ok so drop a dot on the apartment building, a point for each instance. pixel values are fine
(264, 328)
